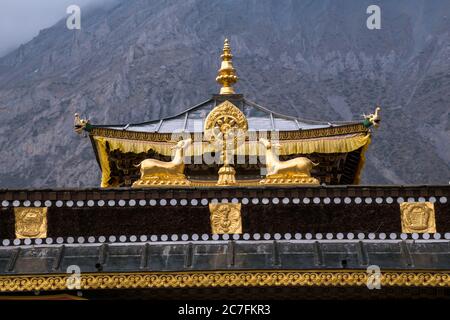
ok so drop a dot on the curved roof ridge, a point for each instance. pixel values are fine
(188, 109)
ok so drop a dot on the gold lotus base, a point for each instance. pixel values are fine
(226, 176)
(289, 180)
(162, 181)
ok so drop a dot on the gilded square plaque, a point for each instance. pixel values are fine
(31, 222)
(225, 218)
(418, 217)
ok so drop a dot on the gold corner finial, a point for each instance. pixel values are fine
(373, 119)
(226, 75)
(80, 124)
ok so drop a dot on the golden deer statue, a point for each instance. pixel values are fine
(156, 172)
(294, 171)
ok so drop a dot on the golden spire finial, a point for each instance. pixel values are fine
(226, 75)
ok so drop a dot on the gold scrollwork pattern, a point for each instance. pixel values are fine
(332, 278)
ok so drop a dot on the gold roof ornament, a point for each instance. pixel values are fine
(373, 119)
(226, 116)
(226, 76)
(229, 125)
(80, 124)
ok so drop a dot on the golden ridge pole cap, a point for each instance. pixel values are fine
(226, 76)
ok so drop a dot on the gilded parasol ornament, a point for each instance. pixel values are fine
(226, 75)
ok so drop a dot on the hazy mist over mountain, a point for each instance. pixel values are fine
(140, 60)
(21, 20)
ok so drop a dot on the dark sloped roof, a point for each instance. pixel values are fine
(226, 255)
(213, 255)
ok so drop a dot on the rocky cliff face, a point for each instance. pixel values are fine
(140, 60)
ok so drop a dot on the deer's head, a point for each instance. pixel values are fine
(269, 145)
(182, 144)
(266, 143)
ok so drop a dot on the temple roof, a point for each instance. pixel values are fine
(337, 146)
(258, 117)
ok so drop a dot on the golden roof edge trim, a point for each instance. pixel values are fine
(283, 135)
(247, 278)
